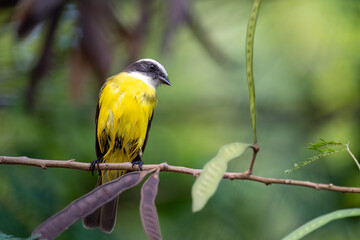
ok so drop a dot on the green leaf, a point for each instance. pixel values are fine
(321, 221)
(249, 61)
(34, 237)
(4, 236)
(323, 148)
(208, 181)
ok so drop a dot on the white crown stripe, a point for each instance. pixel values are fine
(156, 63)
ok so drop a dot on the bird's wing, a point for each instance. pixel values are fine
(97, 147)
(147, 132)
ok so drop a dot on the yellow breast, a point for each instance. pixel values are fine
(126, 105)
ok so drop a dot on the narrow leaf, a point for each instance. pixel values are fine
(148, 212)
(4, 236)
(208, 181)
(34, 237)
(321, 221)
(249, 61)
(87, 204)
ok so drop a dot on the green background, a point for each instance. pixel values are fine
(307, 78)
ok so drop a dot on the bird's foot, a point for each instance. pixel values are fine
(92, 166)
(138, 162)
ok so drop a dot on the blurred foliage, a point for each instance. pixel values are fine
(9, 237)
(307, 77)
(318, 222)
(323, 149)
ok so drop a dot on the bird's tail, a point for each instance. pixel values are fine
(104, 217)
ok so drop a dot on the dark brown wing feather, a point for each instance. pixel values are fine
(97, 147)
(108, 216)
(147, 132)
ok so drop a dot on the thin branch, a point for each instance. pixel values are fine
(256, 149)
(164, 167)
(352, 155)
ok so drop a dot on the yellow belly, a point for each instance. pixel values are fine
(126, 105)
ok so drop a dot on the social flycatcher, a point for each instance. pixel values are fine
(123, 117)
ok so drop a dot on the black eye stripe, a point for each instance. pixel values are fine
(152, 67)
(147, 67)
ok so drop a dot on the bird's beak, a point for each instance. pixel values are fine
(165, 80)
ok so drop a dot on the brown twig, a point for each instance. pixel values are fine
(256, 149)
(164, 167)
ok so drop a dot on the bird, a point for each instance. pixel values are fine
(123, 118)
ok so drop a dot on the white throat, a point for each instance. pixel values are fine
(146, 79)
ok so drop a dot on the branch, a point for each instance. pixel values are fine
(256, 149)
(352, 155)
(164, 167)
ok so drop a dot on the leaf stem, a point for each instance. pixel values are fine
(256, 149)
(352, 155)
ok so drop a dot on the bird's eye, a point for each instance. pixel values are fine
(152, 67)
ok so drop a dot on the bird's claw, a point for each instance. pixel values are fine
(92, 166)
(139, 163)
